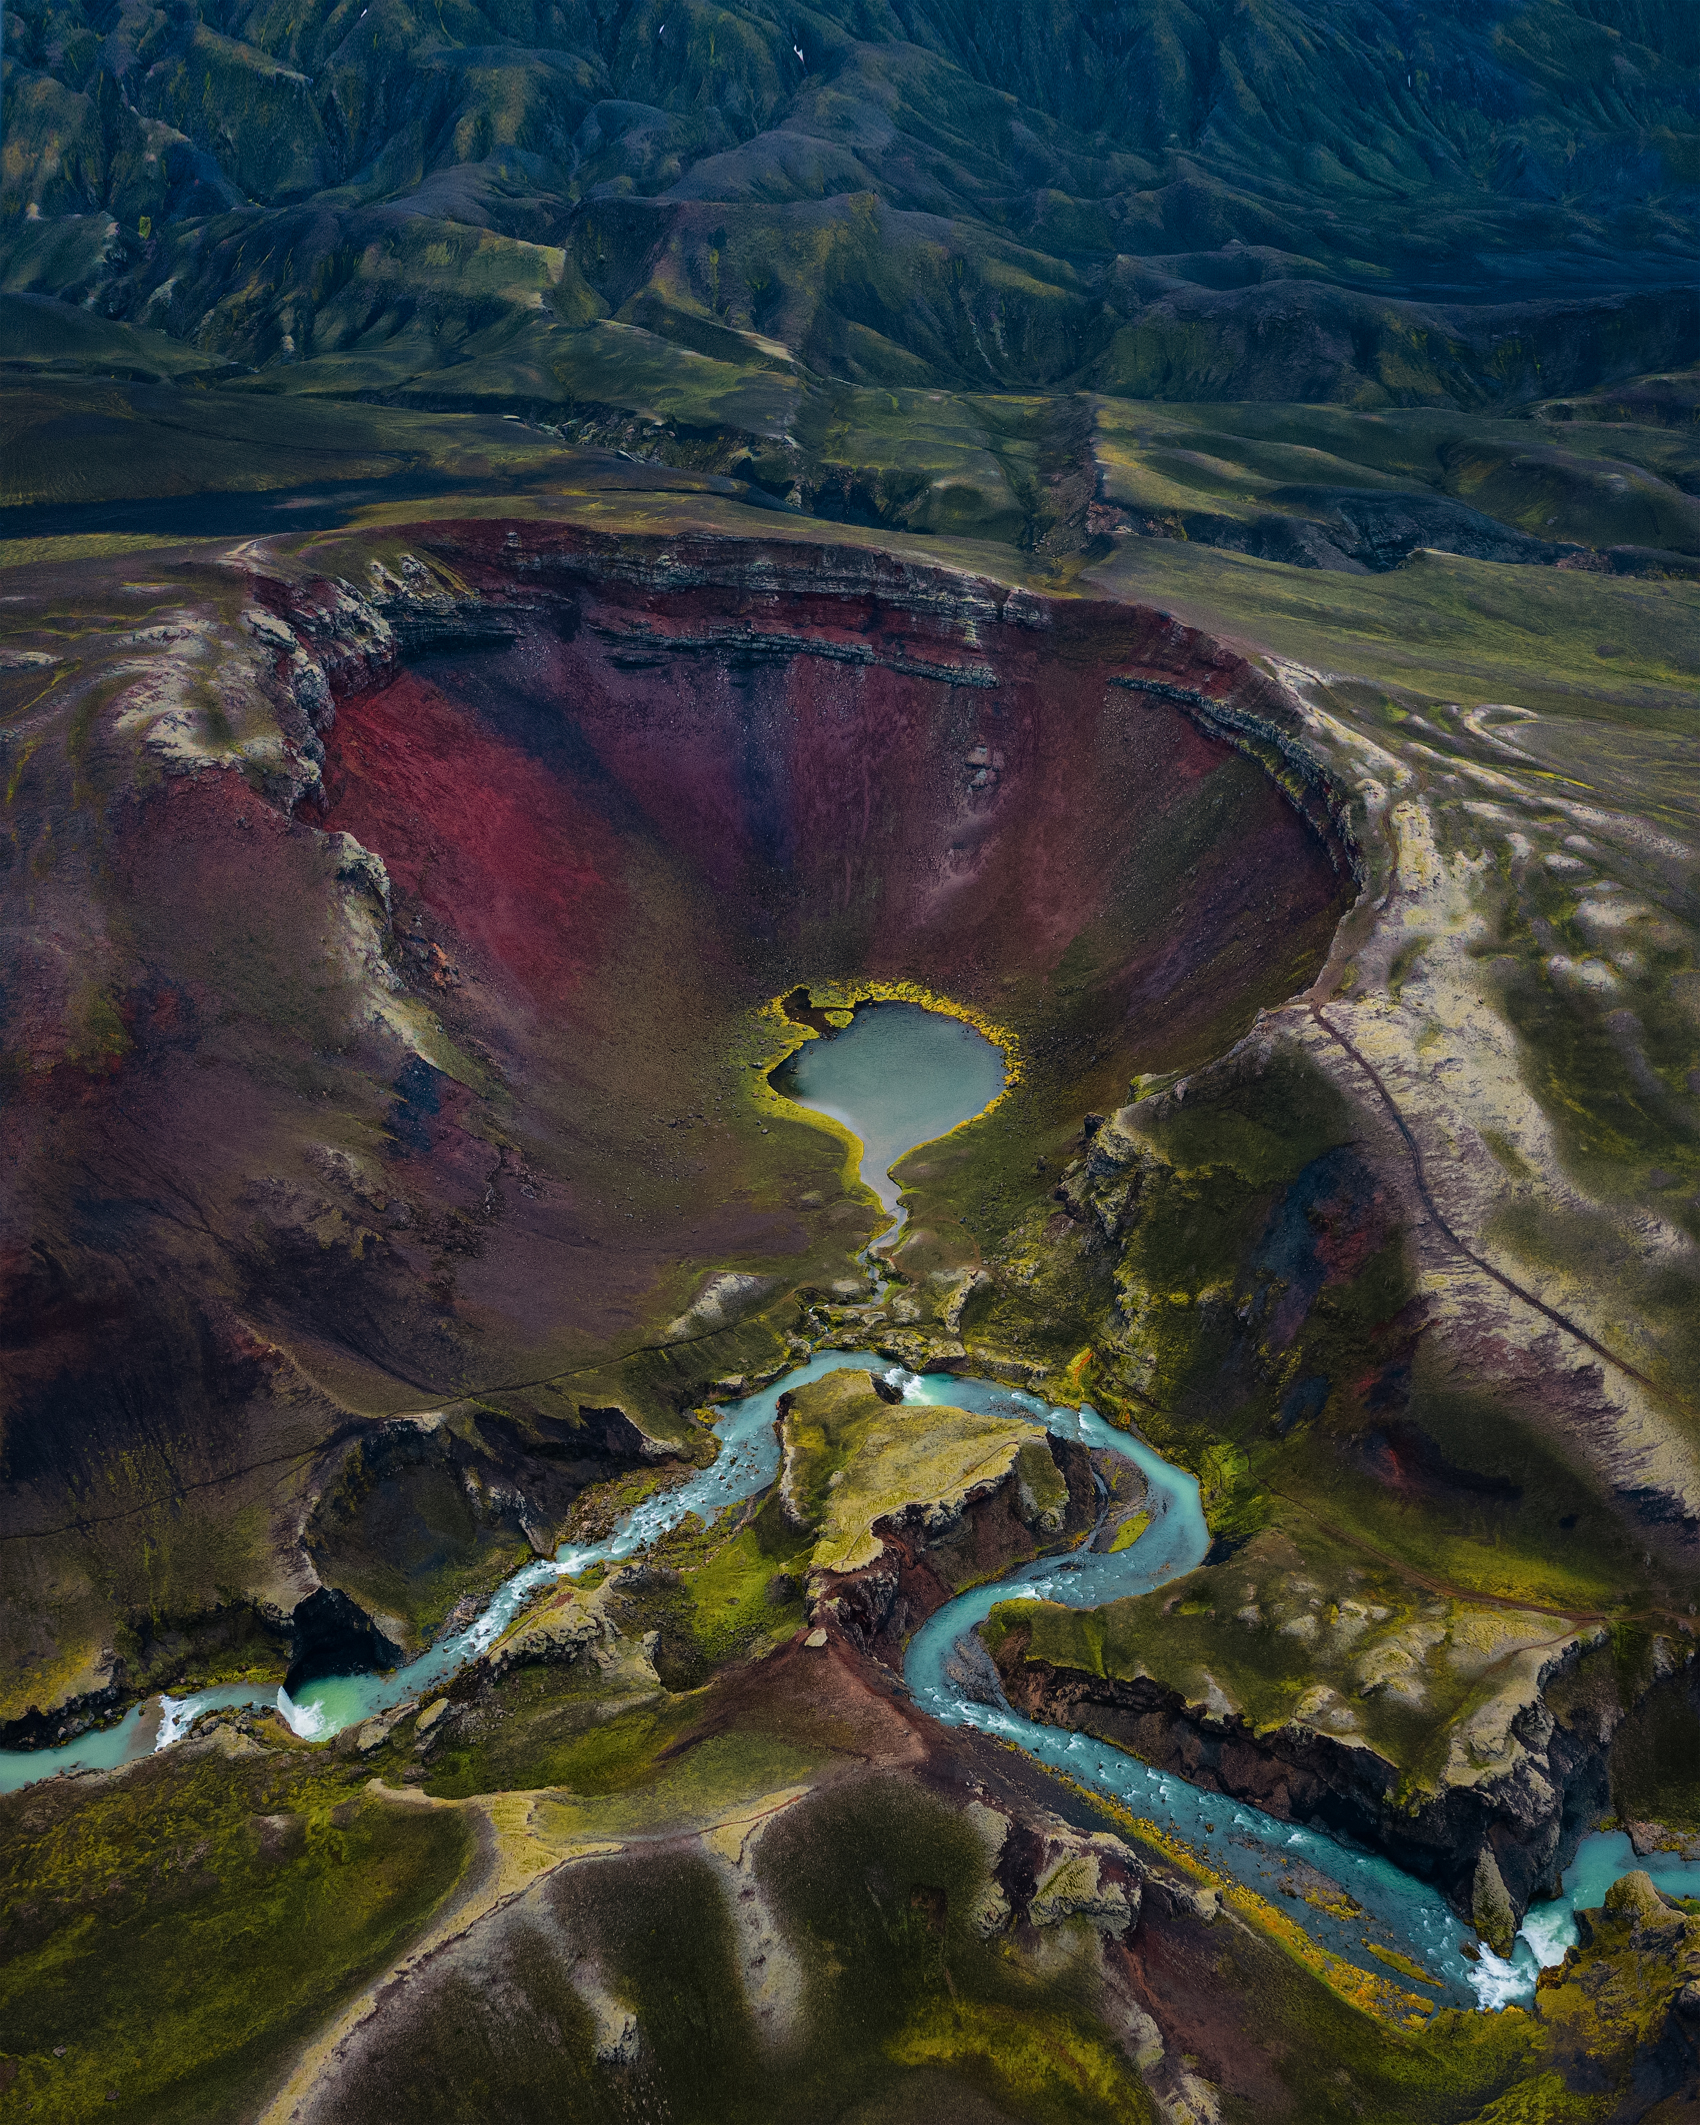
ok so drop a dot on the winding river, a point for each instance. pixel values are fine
(871, 1088)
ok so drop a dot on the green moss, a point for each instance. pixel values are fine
(704, 1779)
(1402, 1963)
(1545, 2100)
(587, 1753)
(178, 1930)
(879, 1887)
(1130, 1531)
(734, 1608)
(853, 1459)
(1530, 1526)
(1029, 2059)
(1263, 1127)
(1297, 1628)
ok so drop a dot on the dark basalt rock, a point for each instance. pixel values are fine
(880, 1605)
(334, 1636)
(1381, 530)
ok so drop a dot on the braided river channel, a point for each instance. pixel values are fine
(907, 1076)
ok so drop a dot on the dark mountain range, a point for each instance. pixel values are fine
(1375, 201)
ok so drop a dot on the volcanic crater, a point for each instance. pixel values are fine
(426, 1153)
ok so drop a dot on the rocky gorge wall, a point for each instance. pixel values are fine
(1492, 1845)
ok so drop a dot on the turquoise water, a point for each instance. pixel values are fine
(747, 1463)
(897, 1076)
(1551, 1928)
(1235, 1838)
(900, 1076)
(152, 1725)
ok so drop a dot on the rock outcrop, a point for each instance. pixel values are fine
(1493, 1830)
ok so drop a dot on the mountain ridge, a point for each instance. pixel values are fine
(1365, 201)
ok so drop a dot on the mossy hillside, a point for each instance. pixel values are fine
(1187, 1215)
(1444, 628)
(178, 1930)
(43, 337)
(1609, 2006)
(744, 1581)
(879, 1887)
(940, 463)
(853, 1459)
(1593, 484)
(689, 1777)
(715, 1597)
(1586, 948)
(818, 253)
(17, 553)
(415, 1546)
(1263, 1334)
(993, 1179)
(906, 2011)
(1499, 1509)
(1302, 1633)
(715, 1594)
(1618, 1125)
(721, 1594)
(872, 1893)
(1442, 2073)
(1629, 1135)
(67, 440)
(1013, 470)
(614, 1765)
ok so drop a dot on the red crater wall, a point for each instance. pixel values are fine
(836, 772)
(251, 1213)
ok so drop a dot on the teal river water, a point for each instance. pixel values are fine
(872, 1088)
